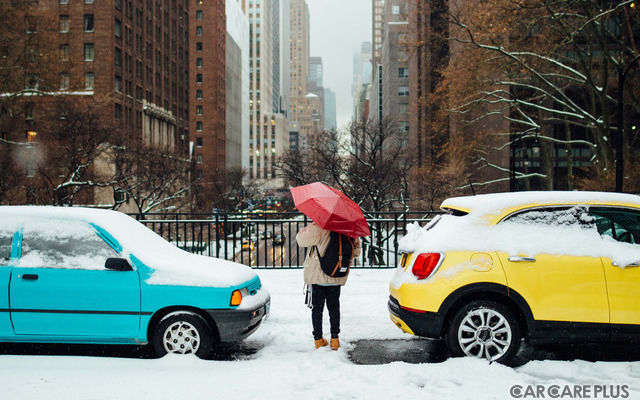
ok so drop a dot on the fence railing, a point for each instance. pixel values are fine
(268, 240)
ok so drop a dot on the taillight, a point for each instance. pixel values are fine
(425, 264)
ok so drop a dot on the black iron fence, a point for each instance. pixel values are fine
(268, 240)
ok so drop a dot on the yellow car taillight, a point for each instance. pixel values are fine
(425, 264)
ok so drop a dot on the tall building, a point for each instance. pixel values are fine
(362, 67)
(424, 76)
(377, 8)
(330, 120)
(268, 130)
(395, 59)
(207, 99)
(135, 52)
(314, 79)
(299, 51)
(237, 86)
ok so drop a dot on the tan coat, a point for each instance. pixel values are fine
(312, 235)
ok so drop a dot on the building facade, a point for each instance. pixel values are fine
(207, 77)
(237, 87)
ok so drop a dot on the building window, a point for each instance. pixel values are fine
(198, 31)
(198, 78)
(118, 111)
(199, 126)
(395, 10)
(118, 28)
(403, 73)
(403, 90)
(199, 158)
(88, 22)
(199, 62)
(404, 126)
(199, 142)
(64, 52)
(198, 46)
(88, 1)
(118, 56)
(199, 94)
(403, 109)
(64, 81)
(64, 1)
(198, 110)
(31, 81)
(118, 84)
(29, 113)
(64, 23)
(199, 15)
(199, 174)
(88, 52)
(88, 81)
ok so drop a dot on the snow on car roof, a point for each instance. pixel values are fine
(170, 265)
(496, 202)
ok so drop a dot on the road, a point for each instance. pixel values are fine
(267, 254)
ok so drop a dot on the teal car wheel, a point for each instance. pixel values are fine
(183, 332)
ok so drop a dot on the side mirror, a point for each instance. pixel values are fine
(118, 264)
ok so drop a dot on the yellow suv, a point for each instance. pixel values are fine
(539, 266)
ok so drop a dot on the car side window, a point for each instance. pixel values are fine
(620, 224)
(63, 244)
(576, 216)
(6, 237)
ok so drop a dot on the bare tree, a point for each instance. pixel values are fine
(548, 71)
(63, 164)
(152, 178)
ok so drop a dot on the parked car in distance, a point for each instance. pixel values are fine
(537, 266)
(79, 275)
(267, 234)
(278, 239)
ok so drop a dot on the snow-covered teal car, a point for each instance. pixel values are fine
(79, 275)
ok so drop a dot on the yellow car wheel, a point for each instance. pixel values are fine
(484, 329)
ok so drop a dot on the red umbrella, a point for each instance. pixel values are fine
(330, 209)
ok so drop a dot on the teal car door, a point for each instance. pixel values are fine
(6, 239)
(61, 286)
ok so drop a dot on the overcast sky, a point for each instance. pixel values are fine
(338, 28)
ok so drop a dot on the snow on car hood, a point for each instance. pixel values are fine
(169, 265)
(471, 233)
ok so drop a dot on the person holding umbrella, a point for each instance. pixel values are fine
(331, 211)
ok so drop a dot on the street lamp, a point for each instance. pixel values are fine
(619, 142)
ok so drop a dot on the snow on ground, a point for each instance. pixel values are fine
(287, 366)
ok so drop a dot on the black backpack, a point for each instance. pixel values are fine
(337, 258)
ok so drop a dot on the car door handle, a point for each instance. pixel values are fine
(632, 265)
(521, 259)
(30, 277)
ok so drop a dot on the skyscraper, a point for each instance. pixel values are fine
(299, 45)
(268, 130)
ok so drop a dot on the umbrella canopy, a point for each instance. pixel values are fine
(330, 209)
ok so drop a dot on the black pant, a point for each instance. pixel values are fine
(331, 295)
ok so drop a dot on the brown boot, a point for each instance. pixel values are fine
(321, 343)
(335, 343)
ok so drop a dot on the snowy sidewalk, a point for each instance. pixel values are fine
(287, 366)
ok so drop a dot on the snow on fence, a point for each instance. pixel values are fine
(267, 240)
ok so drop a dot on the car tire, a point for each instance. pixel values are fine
(484, 329)
(183, 332)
